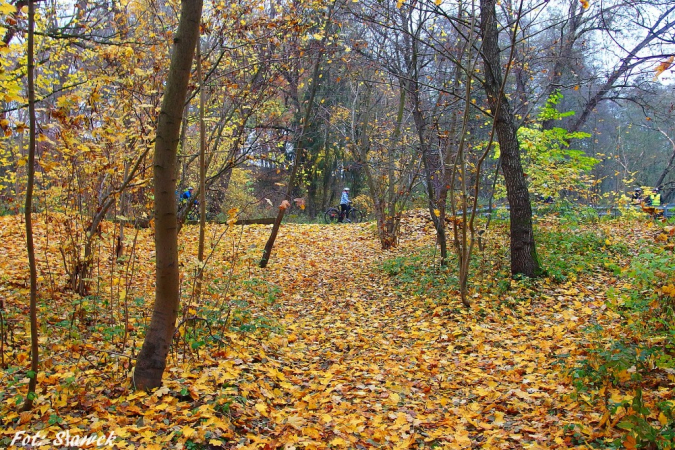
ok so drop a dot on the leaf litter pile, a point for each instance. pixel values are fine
(329, 347)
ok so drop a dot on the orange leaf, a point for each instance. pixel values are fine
(663, 66)
(630, 442)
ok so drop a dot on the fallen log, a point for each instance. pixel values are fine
(262, 221)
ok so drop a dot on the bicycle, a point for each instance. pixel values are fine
(193, 213)
(332, 215)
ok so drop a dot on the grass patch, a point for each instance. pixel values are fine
(572, 251)
(417, 274)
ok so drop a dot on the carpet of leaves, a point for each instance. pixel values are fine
(329, 352)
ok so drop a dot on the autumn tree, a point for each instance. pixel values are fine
(257, 67)
(557, 45)
(405, 56)
(303, 114)
(386, 152)
(524, 258)
(30, 182)
(554, 168)
(376, 120)
(652, 24)
(556, 49)
(152, 357)
(95, 134)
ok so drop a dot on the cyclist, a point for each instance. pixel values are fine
(187, 195)
(636, 198)
(654, 200)
(656, 197)
(344, 204)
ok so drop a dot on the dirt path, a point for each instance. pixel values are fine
(362, 366)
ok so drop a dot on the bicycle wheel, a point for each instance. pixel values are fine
(193, 216)
(331, 215)
(355, 216)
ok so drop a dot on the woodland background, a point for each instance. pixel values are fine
(449, 121)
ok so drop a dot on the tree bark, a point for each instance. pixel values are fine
(524, 258)
(30, 248)
(152, 357)
(202, 176)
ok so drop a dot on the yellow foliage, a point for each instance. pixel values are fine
(669, 290)
(239, 195)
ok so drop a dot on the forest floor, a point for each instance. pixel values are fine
(336, 344)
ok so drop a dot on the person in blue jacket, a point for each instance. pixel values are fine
(344, 204)
(185, 196)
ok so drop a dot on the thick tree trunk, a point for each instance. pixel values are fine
(523, 250)
(152, 358)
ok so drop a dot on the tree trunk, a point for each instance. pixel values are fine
(30, 248)
(433, 172)
(202, 176)
(293, 178)
(524, 258)
(152, 357)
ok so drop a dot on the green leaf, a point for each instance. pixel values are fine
(626, 425)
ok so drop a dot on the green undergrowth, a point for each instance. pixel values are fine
(565, 252)
(636, 357)
(418, 274)
(570, 251)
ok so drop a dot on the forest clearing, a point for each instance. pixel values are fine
(339, 344)
(337, 224)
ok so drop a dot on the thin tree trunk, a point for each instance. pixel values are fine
(30, 247)
(81, 274)
(524, 258)
(119, 247)
(465, 241)
(390, 221)
(202, 175)
(151, 360)
(292, 180)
